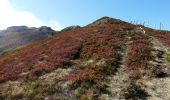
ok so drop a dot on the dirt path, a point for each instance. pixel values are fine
(159, 88)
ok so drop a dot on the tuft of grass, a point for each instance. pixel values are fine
(168, 57)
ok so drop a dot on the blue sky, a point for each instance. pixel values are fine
(81, 12)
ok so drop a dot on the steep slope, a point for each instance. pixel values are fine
(108, 59)
(17, 36)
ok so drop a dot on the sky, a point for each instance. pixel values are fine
(62, 13)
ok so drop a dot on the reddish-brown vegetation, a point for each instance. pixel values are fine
(139, 54)
(93, 41)
(43, 57)
(163, 36)
(94, 53)
(80, 76)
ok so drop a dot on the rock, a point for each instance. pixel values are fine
(45, 30)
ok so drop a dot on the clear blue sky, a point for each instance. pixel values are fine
(82, 12)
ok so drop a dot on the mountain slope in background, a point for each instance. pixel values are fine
(107, 59)
(17, 36)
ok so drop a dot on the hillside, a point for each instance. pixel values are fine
(107, 59)
(17, 36)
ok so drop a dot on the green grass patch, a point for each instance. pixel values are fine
(168, 57)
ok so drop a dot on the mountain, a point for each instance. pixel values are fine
(17, 36)
(107, 59)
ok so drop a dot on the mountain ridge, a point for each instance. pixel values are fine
(18, 36)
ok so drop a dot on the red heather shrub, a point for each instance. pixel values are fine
(139, 54)
(138, 58)
(80, 75)
(40, 58)
(134, 75)
(161, 35)
(102, 45)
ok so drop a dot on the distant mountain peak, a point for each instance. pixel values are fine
(17, 28)
(18, 36)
